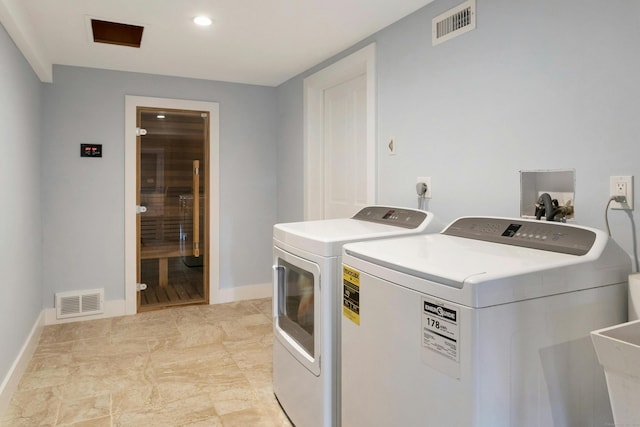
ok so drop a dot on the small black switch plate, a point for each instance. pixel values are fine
(90, 150)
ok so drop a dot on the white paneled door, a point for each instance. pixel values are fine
(340, 137)
(345, 149)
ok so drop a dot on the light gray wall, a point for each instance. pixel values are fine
(290, 152)
(20, 224)
(83, 198)
(538, 85)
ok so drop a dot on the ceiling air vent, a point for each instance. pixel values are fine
(116, 33)
(453, 22)
(79, 303)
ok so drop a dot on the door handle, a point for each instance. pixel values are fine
(278, 278)
(140, 209)
(196, 208)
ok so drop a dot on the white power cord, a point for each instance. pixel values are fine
(619, 199)
(623, 199)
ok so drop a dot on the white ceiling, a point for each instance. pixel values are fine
(263, 42)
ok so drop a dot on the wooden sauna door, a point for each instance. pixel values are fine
(173, 205)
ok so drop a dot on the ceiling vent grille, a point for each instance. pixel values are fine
(116, 33)
(79, 303)
(453, 22)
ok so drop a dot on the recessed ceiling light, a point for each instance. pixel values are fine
(160, 116)
(202, 20)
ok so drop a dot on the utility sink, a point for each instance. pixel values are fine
(618, 350)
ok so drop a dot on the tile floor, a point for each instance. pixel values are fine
(185, 366)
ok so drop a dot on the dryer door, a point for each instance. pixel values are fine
(297, 307)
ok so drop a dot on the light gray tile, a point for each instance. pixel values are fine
(190, 366)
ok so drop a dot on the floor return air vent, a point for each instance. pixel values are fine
(79, 303)
(453, 22)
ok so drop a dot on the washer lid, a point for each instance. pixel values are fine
(326, 237)
(479, 273)
(455, 261)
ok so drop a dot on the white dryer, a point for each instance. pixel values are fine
(483, 325)
(307, 304)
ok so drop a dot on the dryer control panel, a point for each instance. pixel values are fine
(544, 235)
(400, 217)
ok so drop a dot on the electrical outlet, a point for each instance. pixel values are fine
(621, 186)
(426, 180)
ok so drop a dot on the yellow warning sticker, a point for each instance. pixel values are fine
(351, 294)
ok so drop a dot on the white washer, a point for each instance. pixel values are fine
(483, 325)
(307, 305)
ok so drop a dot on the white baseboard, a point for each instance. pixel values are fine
(241, 293)
(112, 308)
(116, 308)
(12, 379)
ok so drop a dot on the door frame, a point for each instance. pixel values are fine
(130, 261)
(354, 65)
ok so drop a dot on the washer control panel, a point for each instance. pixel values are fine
(544, 235)
(406, 218)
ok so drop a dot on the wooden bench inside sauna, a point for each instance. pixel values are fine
(167, 229)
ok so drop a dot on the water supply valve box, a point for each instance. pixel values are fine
(559, 184)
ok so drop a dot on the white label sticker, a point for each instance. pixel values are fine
(441, 328)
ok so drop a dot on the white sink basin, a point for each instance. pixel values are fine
(618, 350)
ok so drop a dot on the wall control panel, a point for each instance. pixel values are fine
(90, 150)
